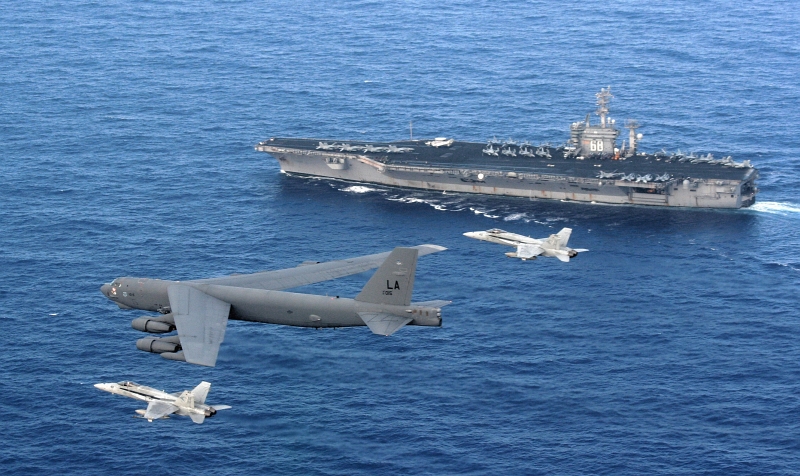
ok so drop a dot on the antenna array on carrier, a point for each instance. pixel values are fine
(632, 124)
(603, 97)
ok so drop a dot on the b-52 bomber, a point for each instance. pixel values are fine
(161, 404)
(529, 248)
(199, 310)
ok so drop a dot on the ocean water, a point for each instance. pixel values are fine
(127, 131)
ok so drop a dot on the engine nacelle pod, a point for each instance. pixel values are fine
(159, 346)
(159, 325)
(427, 316)
(174, 356)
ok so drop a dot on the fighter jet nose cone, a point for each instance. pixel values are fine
(105, 289)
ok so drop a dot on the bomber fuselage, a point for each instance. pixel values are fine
(259, 305)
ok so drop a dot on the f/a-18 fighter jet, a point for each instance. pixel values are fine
(160, 404)
(199, 310)
(529, 248)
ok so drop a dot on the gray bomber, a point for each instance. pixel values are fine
(199, 310)
(591, 167)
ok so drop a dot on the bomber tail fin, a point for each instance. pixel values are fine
(393, 282)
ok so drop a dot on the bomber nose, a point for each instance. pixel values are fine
(105, 289)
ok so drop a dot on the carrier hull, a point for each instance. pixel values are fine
(588, 168)
(519, 181)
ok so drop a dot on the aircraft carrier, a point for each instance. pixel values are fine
(590, 167)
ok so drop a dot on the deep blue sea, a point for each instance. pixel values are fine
(127, 133)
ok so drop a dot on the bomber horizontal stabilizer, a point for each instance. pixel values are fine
(382, 323)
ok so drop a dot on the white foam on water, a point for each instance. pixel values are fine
(433, 204)
(515, 217)
(785, 265)
(358, 189)
(777, 208)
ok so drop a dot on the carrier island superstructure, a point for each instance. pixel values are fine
(590, 167)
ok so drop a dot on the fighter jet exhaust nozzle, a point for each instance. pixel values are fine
(154, 326)
(572, 253)
(159, 346)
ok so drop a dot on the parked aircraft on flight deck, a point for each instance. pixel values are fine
(199, 310)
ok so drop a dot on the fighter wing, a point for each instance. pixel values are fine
(382, 323)
(158, 409)
(310, 273)
(201, 320)
(528, 251)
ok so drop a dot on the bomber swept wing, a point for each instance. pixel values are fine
(200, 309)
(555, 246)
(281, 279)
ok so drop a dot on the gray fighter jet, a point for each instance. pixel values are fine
(199, 310)
(609, 175)
(161, 404)
(393, 149)
(349, 148)
(373, 149)
(529, 248)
